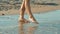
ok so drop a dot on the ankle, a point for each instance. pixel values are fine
(32, 18)
(21, 17)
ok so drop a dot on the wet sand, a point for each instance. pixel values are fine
(49, 23)
(34, 9)
(30, 29)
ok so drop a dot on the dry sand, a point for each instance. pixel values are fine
(34, 9)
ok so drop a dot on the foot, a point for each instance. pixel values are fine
(23, 21)
(33, 20)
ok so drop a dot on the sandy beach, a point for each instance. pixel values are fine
(49, 23)
(34, 9)
(47, 16)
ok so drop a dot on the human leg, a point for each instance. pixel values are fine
(28, 9)
(22, 10)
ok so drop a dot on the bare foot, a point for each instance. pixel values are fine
(33, 20)
(23, 21)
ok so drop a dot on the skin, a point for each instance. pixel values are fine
(26, 7)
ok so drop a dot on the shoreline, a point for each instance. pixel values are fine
(34, 9)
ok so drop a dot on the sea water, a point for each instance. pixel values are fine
(49, 23)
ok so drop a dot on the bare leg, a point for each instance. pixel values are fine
(22, 10)
(27, 6)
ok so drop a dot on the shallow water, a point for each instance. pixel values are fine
(49, 23)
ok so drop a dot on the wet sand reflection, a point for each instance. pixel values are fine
(30, 29)
(21, 28)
